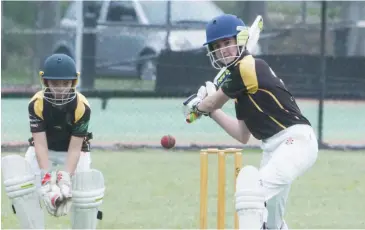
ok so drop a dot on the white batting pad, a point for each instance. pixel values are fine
(250, 199)
(19, 182)
(87, 195)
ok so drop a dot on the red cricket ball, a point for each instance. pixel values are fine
(168, 141)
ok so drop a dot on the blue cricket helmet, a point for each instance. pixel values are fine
(59, 67)
(223, 26)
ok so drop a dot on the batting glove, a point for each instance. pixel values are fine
(211, 88)
(243, 36)
(192, 102)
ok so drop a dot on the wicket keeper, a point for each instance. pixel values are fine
(265, 109)
(56, 167)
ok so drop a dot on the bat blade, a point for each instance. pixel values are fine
(254, 33)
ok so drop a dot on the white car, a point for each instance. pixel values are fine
(126, 39)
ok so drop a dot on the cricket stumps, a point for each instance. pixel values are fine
(221, 184)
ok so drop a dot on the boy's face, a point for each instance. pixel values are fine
(60, 88)
(225, 50)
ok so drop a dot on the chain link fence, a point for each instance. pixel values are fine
(126, 54)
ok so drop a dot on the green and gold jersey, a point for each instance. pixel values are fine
(261, 99)
(59, 123)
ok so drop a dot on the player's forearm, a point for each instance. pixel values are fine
(41, 149)
(72, 160)
(213, 102)
(42, 157)
(208, 105)
(231, 125)
(73, 154)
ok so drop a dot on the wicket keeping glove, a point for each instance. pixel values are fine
(50, 193)
(64, 183)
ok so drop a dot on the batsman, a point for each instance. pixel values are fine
(265, 109)
(56, 172)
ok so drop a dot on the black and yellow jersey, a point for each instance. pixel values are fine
(262, 100)
(59, 123)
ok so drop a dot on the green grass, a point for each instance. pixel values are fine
(160, 189)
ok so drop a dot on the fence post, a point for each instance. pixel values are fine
(168, 24)
(88, 46)
(323, 70)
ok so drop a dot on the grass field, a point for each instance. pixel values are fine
(160, 189)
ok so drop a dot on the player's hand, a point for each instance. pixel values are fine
(64, 207)
(50, 193)
(211, 88)
(191, 103)
(202, 92)
(64, 183)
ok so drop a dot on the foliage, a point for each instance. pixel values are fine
(21, 12)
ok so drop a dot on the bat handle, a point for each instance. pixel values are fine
(190, 118)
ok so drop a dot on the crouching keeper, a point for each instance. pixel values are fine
(55, 173)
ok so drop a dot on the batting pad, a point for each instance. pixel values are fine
(250, 199)
(87, 195)
(19, 182)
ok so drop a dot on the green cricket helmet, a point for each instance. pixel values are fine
(59, 79)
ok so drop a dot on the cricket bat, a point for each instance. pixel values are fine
(253, 37)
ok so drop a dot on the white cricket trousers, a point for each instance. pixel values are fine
(286, 155)
(56, 159)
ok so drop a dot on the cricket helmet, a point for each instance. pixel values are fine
(59, 67)
(221, 27)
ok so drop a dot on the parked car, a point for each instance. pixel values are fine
(125, 51)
